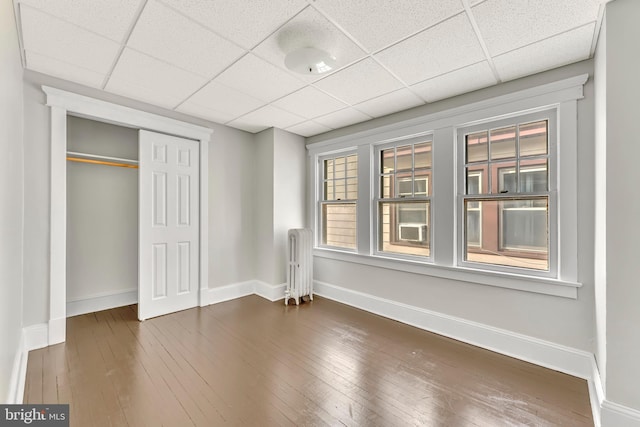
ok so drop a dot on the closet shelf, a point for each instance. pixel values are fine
(75, 156)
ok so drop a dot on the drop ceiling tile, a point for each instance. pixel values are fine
(309, 128)
(70, 72)
(165, 34)
(110, 18)
(309, 102)
(342, 118)
(378, 23)
(266, 117)
(509, 24)
(144, 72)
(141, 93)
(390, 103)
(553, 52)
(218, 97)
(258, 78)
(245, 22)
(196, 110)
(309, 28)
(446, 47)
(359, 82)
(467, 79)
(57, 39)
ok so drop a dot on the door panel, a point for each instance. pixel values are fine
(169, 224)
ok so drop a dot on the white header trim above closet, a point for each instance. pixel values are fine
(108, 112)
(63, 103)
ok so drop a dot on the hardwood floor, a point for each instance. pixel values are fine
(255, 363)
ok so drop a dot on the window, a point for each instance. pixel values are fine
(338, 201)
(403, 198)
(489, 175)
(507, 193)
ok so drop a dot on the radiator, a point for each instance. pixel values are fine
(300, 265)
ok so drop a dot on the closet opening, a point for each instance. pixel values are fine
(102, 216)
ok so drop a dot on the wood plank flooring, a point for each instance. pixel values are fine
(251, 362)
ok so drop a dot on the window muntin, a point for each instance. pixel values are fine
(506, 215)
(403, 198)
(339, 195)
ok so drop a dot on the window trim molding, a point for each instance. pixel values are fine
(553, 135)
(562, 95)
(542, 285)
(319, 191)
(376, 199)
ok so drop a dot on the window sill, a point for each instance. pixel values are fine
(540, 285)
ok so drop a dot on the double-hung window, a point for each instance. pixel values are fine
(338, 201)
(403, 198)
(508, 201)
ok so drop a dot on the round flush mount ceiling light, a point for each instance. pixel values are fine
(309, 60)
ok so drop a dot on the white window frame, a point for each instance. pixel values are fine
(562, 95)
(551, 116)
(321, 202)
(377, 199)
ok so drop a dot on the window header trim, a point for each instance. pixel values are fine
(533, 98)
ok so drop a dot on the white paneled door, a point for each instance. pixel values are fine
(168, 224)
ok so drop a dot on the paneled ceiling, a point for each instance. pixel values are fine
(223, 60)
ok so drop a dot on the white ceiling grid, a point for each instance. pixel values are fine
(223, 60)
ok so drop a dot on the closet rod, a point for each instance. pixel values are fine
(99, 157)
(102, 162)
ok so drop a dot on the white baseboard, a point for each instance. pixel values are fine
(229, 292)
(36, 336)
(270, 292)
(242, 289)
(544, 353)
(596, 392)
(18, 373)
(103, 301)
(31, 338)
(616, 415)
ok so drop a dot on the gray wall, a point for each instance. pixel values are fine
(231, 205)
(11, 196)
(560, 320)
(280, 195)
(229, 259)
(623, 203)
(600, 264)
(289, 175)
(102, 212)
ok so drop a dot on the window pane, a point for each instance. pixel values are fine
(404, 158)
(328, 190)
(422, 155)
(474, 218)
(404, 228)
(476, 147)
(388, 160)
(352, 166)
(512, 233)
(340, 189)
(352, 188)
(339, 165)
(421, 182)
(533, 139)
(476, 184)
(404, 184)
(386, 186)
(504, 178)
(503, 143)
(339, 225)
(533, 176)
(328, 169)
